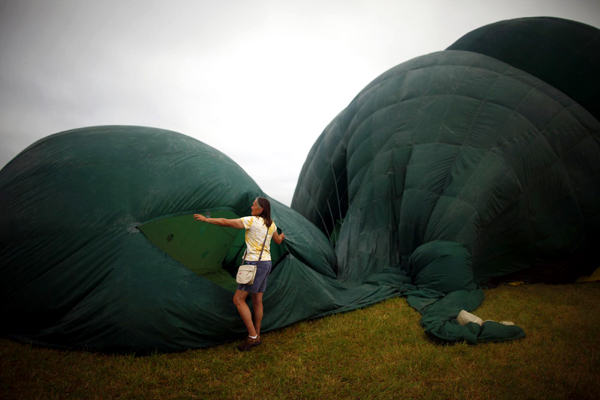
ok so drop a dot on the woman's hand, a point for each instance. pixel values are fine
(278, 237)
(200, 217)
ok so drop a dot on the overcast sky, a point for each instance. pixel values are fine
(230, 73)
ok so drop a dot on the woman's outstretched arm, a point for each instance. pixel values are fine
(231, 223)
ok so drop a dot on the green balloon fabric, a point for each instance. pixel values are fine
(456, 168)
(446, 172)
(562, 53)
(99, 249)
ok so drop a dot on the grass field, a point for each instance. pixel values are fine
(379, 352)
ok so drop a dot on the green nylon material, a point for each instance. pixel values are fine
(562, 53)
(457, 168)
(445, 172)
(100, 249)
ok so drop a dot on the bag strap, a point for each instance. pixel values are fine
(261, 250)
(263, 246)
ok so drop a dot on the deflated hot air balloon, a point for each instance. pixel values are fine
(99, 249)
(448, 171)
(466, 165)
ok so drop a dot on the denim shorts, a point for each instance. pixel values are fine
(260, 280)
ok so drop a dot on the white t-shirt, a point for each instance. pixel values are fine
(255, 235)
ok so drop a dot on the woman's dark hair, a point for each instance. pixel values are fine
(266, 210)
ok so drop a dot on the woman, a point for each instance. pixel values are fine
(257, 227)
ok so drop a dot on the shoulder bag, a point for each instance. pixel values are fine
(247, 272)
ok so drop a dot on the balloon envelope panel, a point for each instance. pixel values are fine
(455, 146)
(99, 249)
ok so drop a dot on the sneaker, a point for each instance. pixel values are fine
(249, 343)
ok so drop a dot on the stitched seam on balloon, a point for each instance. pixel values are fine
(462, 146)
(509, 68)
(519, 77)
(529, 187)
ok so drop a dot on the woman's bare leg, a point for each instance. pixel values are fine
(239, 299)
(257, 305)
